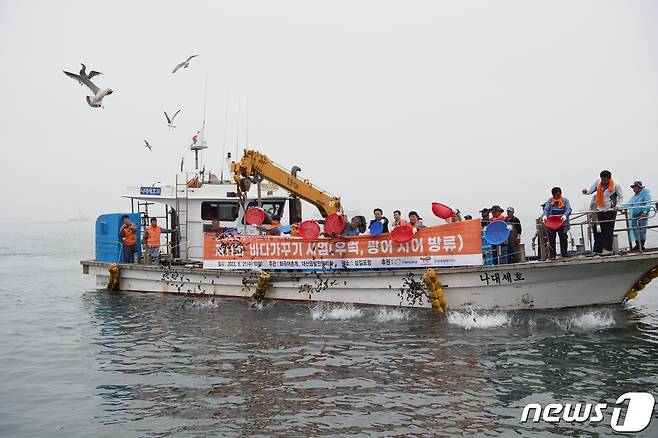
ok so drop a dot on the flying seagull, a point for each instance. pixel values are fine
(184, 64)
(147, 145)
(170, 120)
(95, 101)
(83, 73)
(91, 73)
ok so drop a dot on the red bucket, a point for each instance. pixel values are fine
(442, 211)
(402, 234)
(553, 222)
(309, 230)
(254, 216)
(334, 224)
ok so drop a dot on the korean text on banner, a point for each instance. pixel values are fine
(456, 244)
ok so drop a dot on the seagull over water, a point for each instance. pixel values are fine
(95, 101)
(147, 145)
(170, 120)
(184, 64)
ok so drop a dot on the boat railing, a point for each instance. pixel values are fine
(587, 221)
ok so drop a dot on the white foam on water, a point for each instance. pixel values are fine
(471, 319)
(340, 312)
(390, 314)
(588, 320)
(205, 303)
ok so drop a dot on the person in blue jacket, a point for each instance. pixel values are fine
(557, 205)
(638, 208)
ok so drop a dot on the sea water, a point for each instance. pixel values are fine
(77, 361)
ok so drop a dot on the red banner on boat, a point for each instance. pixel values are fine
(456, 244)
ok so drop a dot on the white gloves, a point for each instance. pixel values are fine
(564, 218)
(543, 218)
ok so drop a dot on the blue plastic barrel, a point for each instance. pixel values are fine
(496, 232)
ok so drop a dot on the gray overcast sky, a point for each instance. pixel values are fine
(391, 104)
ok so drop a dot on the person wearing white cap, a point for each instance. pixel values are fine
(638, 208)
(514, 238)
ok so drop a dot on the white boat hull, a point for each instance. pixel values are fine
(544, 285)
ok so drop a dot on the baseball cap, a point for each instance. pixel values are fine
(510, 209)
(638, 184)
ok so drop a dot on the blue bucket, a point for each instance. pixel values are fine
(284, 229)
(376, 228)
(496, 232)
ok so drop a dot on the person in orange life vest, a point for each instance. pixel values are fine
(128, 239)
(557, 205)
(294, 226)
(398, 219)
(497, 214)
(152, 241)
(273, 228)
(608, 201)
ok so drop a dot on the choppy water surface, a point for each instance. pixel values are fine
(81, 362)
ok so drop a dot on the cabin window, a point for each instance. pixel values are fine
(222, 210)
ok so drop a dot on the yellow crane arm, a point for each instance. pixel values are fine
(253, 163)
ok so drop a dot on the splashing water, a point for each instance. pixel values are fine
(390, 314)
(341, 312)
(588, 320)
(471, 319)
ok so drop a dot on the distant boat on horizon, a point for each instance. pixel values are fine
(81, 218)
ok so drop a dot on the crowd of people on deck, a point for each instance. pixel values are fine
(606, 203)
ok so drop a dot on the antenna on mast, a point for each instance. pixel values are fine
(221, 161)
(237, 132)
(198, 141)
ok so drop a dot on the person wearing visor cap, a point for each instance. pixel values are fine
(484, 221)
(638, 209)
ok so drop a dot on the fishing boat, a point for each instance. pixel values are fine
(195, 260)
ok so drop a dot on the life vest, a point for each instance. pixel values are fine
(153, 239)
(129, 234)
(294, 230)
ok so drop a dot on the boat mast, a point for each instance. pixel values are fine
(200, 144)
(223, 157)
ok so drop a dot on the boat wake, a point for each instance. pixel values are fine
(341, 312)
(588, 320)
(393, 314)
(472, 319)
